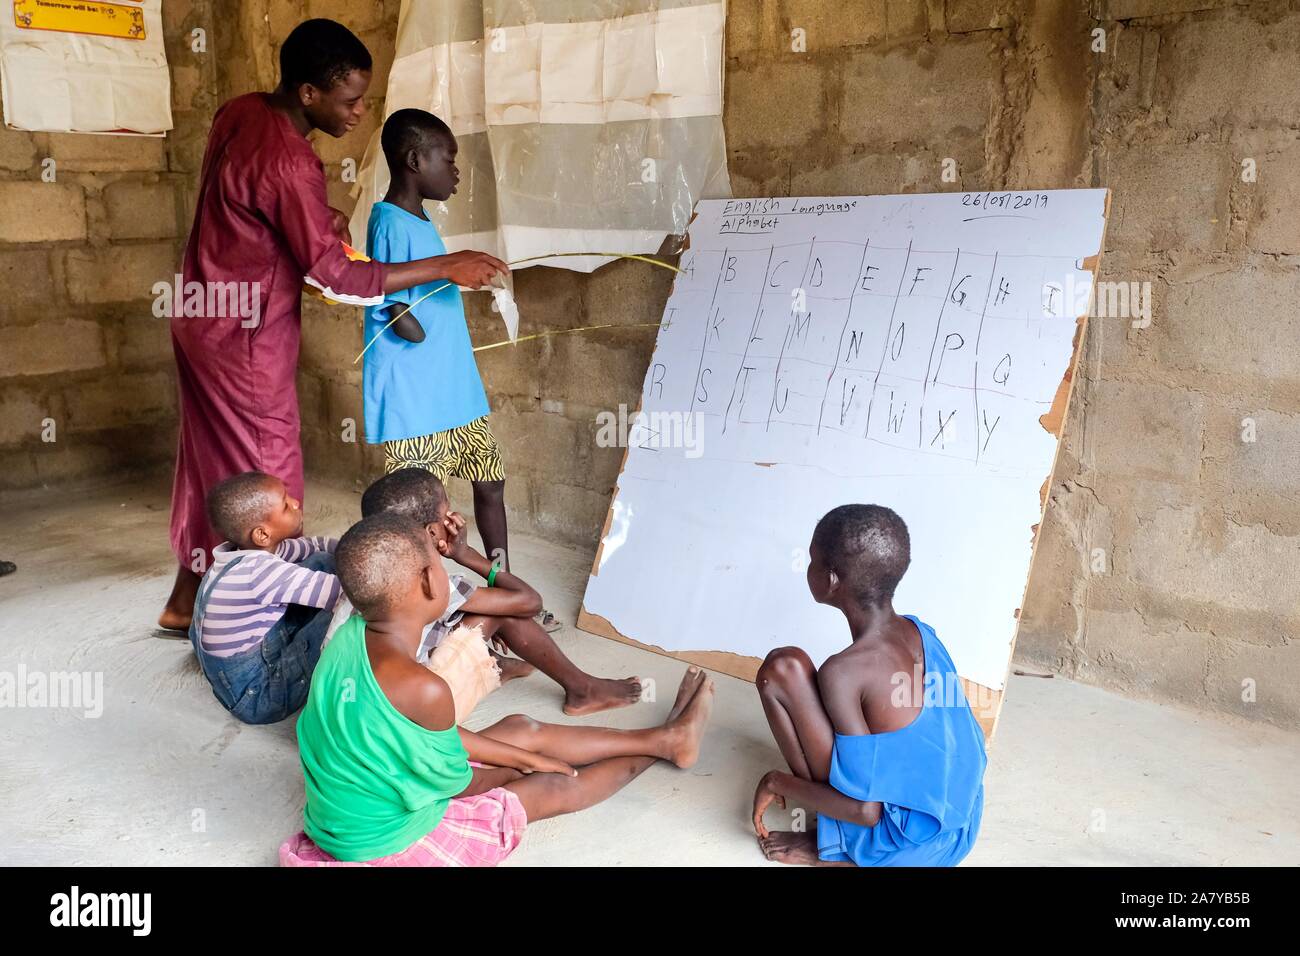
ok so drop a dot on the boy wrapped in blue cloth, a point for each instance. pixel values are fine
(881, 741)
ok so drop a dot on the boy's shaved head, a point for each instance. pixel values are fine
(321, 52)
(412, 492)
(410, 129)
(868, 547)
(378, 558)
(239, 504)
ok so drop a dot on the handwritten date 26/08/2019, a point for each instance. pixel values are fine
(1005, 200)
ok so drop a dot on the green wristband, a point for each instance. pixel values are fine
(492, 575)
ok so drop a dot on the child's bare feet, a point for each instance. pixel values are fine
(685, 691)
(511, 668)
(796, 849)
(602, 694)
(686, 725)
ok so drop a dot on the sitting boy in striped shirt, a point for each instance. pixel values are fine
(264, 605)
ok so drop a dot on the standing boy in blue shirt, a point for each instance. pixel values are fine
(424, 399)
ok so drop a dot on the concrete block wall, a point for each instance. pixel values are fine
(1170, 540)
(88, 224)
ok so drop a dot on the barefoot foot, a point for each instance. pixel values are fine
(179, 609)
(796, 849)
(685, 691)
(170, 620)
(686, 730)
(512, 668)
(602, 695)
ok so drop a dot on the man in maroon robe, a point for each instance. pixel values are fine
(263, 228)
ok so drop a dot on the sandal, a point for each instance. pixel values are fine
(8, 567)
(548, 621)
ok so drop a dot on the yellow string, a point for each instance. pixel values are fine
(614, 255)
(585, 328)
(395, 318)
(608, 255)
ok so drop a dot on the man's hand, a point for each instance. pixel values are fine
(473, 270)
(764, 797)
(339, 225)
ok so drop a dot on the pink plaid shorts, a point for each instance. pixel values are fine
(475, 831)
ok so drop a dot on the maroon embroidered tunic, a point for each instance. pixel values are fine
(263, 222)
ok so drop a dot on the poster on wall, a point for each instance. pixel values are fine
(85, 66)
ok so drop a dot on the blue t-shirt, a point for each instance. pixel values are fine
(413, 389)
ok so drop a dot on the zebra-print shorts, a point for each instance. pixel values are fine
(468, 451)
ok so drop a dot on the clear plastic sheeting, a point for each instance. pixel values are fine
(503, 303)
(584, 125)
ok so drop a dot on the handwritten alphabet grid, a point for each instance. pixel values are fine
(892, 349)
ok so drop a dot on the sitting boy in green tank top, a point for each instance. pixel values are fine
(389, 777)
(880, 741)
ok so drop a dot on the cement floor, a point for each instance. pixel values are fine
(164, 775)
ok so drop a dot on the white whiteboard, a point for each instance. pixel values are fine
(894, 350)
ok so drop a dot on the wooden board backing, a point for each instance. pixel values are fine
(746, 668)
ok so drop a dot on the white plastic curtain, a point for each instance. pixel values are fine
(583, 125)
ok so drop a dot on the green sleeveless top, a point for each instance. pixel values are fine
(376, 780)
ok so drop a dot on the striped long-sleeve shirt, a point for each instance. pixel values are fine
(253, 595)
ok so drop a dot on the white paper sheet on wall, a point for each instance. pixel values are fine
(897, 350)
(85, 67)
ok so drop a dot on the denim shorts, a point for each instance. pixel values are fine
(269, 682)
